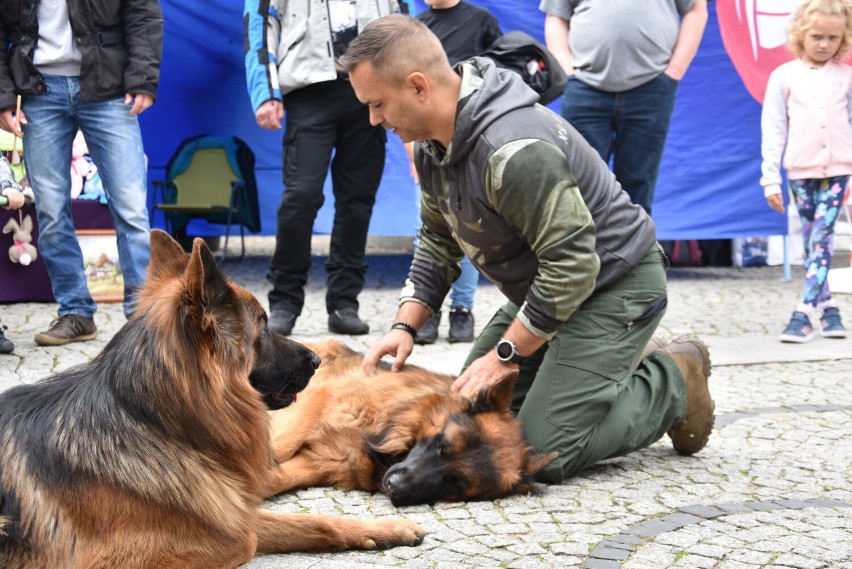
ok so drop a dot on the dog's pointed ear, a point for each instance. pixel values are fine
(496, 398)
(533, 463)
(538, 460)
(399, 436)
(168, 259)
(391, 442)
(205, 285)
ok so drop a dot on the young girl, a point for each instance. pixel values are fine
(807, 118)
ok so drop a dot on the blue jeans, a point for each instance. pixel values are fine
(627, 128)
(464, 287)
(115, 145)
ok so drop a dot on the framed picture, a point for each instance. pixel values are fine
(100, 263)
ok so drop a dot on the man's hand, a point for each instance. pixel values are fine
(689, 37)
(140, 102)
(556, 36)
(483, 373)
(396, 343)
(7, 122)
(269, 114)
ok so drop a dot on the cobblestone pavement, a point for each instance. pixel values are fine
(772, 489)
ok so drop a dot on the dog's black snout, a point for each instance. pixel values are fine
(393, 484)
(315, 360)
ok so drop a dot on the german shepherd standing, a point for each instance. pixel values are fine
(402, 433)
(157, 452)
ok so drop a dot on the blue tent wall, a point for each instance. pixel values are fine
(708, 182)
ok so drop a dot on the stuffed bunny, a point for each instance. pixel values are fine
(21, 251)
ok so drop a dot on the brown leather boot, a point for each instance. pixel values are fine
(693, 360)
(654, 344)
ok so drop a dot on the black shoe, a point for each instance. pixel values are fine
(429, 333)
(67, 329)
(282, 321)
(461, 325)
(346, 321)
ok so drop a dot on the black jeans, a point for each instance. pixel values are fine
(321, 120)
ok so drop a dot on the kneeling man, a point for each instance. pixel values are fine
(514, 187)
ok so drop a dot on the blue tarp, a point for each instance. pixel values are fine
(708, 185)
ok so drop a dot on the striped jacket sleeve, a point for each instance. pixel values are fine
(262, 28)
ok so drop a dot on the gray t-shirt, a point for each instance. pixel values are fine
(56, 53)
(620, 44)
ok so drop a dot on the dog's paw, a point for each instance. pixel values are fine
(384, 534)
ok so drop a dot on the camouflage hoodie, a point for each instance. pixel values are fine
(522, 194)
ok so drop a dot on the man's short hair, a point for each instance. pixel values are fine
(395, 45)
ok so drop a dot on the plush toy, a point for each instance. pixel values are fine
(22, 251)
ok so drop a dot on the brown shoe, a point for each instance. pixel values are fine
(693, 360)
(67, 329)
(654, 344)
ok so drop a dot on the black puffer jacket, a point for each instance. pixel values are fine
(121, 42)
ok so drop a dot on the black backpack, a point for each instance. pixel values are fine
(528, 57)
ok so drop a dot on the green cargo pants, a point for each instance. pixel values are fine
(585, 394)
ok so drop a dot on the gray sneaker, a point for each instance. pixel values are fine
(281, 321)
(347, 321)
(461, 325)
(67, 329)
(429, 332)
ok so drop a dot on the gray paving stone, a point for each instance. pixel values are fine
(706, 512)
(762, 506)
(733, 564)
(628, 539)
(696, 562)
(618, 545)
(526, 549)
(603, 552)
(799, 562)
(467, 547)
(681, 519)
(652, 528)
(528, 563)
(602, 564)
(712, 551)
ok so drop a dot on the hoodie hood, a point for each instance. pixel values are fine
(487, 93)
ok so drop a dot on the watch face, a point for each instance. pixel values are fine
(505, 350)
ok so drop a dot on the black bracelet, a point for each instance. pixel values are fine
(407, 327)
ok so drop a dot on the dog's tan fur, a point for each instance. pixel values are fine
(348, 429)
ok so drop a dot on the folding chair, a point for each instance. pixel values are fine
(210, 178)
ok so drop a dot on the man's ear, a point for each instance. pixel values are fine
(419, 83)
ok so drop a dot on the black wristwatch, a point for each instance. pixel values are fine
(507, 351)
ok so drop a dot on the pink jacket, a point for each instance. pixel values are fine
(807, 119)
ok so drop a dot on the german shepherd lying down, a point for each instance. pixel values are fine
(157, 452)
(402, 433)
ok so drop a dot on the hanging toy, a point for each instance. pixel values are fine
(22, 251)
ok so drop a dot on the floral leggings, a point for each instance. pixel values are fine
(819, 203)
